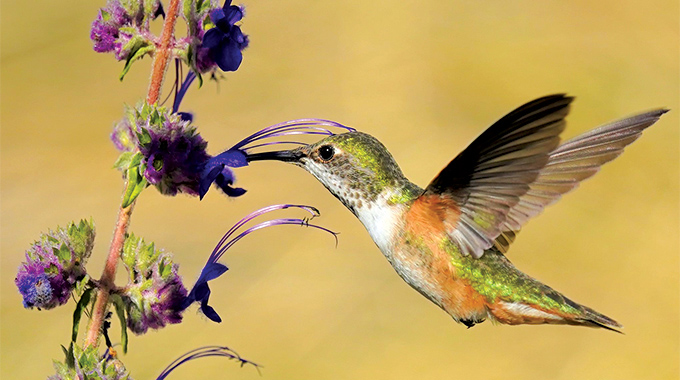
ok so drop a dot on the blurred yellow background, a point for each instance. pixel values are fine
(425, 77)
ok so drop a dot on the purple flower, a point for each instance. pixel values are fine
(217, 169)
(174, 156)
(103, 35)
(154, 295)
(156, 306)
(42, 284)
(204, 352)
(226, 41)
(54, 265)
(105, 28)
(212, 269)
(122, 27)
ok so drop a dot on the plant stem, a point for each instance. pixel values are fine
(162, 55)
(108, 276)
(159, 67)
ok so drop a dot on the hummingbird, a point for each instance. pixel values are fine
(448, 241)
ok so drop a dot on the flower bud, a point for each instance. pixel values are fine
(89, 364)
(155, 293)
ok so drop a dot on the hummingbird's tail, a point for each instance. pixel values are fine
(513, 297)
(515, 313)
(551, 308)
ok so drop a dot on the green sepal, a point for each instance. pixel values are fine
(52, 269)
(64, 253)
(188, 9)
(123, 161)
(89, 358)
(81, 236)
(136, 182)
(144, 137)
(129, 255)
(106, 16)
(78, 312)
(149, 7)
(138, 254)
(120, 311)
(164, 268)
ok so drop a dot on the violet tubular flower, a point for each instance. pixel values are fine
(226, 41)
(217, 169)
(204, 352)
(213, 269)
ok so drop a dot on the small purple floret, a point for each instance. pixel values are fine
(103, 35)
(226, 41)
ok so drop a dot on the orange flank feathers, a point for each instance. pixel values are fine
(419, 250)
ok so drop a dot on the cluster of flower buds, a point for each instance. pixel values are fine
(55, 264)
(122, 27)
(154, 295)
(213, 40)
(89, 364)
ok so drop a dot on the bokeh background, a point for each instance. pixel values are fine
(425, 77)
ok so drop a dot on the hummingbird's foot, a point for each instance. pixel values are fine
(469, 322)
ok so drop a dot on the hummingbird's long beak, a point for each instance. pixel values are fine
(293, 156)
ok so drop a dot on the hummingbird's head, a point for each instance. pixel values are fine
(354, 166)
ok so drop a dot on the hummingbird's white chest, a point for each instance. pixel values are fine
(384, 221)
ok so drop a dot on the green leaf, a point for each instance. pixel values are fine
(70, 357)
(81, 286)
(120, 311)
(139, 53)
(78, 312)
(136, 183)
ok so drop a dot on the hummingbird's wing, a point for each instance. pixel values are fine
(487, 179)
(572, 162)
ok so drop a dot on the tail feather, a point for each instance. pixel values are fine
(514, 313)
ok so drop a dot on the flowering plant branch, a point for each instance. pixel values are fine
(161, 148)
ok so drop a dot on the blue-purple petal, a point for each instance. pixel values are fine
(224, 181)
(212, 38)
(227, 55)
(233, 14)
(209, 312)
(186, 116)
(237, 36)
(233, 158)
(211, 271)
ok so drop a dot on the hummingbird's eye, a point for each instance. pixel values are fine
(326, 152)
